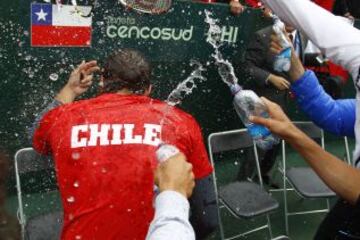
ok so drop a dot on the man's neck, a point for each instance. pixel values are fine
(125, 92)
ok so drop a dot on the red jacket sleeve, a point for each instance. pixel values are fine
(42, 135)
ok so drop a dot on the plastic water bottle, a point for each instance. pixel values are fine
(163, 153)
(282, 61)
(246, 104)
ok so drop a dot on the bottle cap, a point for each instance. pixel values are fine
(235, 88)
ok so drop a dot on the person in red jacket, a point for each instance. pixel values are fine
(104, 151)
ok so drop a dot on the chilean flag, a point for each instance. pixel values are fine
(60, 26)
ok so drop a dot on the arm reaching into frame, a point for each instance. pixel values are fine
(339, 176)
(78, 83)
(337, 39)
(335, 116)
(176, 183)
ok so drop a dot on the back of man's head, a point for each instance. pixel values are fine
(126, 69)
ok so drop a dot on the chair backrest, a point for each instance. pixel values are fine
(28, 161)
(229, 140)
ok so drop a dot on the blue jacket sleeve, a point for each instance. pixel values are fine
(334, 116)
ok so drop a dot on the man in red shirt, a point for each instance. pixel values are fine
(104, 151)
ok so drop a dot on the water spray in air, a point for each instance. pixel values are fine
(246, 102)
(183, 89)
(225, 68)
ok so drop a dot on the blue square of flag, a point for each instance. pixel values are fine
(41, 14)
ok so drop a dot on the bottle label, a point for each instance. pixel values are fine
(283, 61)
(257, 131)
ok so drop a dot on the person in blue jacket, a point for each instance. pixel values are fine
(334, 116)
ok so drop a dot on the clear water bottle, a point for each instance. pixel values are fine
(282, 61)
(166, 151)
(163, 153)
(246, 104)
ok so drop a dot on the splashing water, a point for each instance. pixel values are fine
(225, 68)
(54, 77)
(187, 86)
(183, 89)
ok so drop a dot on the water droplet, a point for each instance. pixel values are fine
(77, 237)
(76, 184)
(54, 77)
(70, 199)
(103, 170)
(75, 156)
(129, 210)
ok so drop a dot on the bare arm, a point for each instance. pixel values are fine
(79, 82)
(340, 177)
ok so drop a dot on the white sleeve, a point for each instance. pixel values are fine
(337, 39)
(171, 219)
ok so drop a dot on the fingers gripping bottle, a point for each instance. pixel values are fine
(246, 104)
(282, 61)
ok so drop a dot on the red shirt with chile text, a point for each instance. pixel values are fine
(104, 152)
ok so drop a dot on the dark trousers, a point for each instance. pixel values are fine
(204, 212)
(266, 158)
(342, 222)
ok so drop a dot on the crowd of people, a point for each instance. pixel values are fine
(104, 147)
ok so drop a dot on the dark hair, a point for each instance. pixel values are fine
(126, 68)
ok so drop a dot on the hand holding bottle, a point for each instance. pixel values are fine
(175, 174)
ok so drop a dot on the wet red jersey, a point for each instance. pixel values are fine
(104, 151)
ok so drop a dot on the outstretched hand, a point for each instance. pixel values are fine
(79, 81)
(278, 122)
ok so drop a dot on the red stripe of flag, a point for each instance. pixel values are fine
(60, 36)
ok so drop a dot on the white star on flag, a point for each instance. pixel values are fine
(41, 15)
